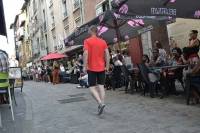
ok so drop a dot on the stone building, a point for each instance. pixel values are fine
(23, 45)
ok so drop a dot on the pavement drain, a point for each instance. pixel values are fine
(72, 100)
(77, 95)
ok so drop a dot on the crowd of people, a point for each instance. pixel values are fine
(101, 67)
(160, 57)
(54, 73)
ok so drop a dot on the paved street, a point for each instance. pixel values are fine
(44, 108)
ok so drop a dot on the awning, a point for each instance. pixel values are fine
(113, 27)
(52, 56)
(72, 48)
(173, 8)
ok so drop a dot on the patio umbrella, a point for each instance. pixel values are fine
(173, 8)
(2, 20)
(113, 27)
(53, 56)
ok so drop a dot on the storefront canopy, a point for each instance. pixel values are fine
(2, 20)
(113, 27)
(173, 8)
(52, 56)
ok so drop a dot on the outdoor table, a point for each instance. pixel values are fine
(168, 67)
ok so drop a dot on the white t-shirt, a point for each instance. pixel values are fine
(39, 70)
(62, 69)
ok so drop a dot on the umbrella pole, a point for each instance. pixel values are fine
(118, 35)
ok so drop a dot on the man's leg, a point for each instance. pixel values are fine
(101, 82)
(92, 77)
(95, 94)
(102, 93)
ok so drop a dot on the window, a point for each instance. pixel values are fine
(44, 15)
(38, 43)
(52, 20)
(34, 6)
(44, 18)
(54, 39)
(64, 7)
(102, 7)
(76, 4)
(78, 22)
(50, 3)
(66, 32)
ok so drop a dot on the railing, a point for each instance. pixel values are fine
(51, 3)
(76, 4)
(53, 24)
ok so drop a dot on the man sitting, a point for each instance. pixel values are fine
(194, 78)
(83, 81)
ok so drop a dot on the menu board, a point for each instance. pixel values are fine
(16, 74)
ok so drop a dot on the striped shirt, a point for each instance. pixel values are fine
(3, 61)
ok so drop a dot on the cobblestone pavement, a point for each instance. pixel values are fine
(45, 108)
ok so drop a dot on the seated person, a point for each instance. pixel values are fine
(174, 61)
(145, 59)
(157, 59)
(127, 60)
(83, 81)
(195, 82)
(174, 73)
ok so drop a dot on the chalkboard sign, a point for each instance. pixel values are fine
(15, 73)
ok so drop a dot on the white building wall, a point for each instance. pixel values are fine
(181, 28)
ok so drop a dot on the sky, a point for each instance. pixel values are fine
(11, 9)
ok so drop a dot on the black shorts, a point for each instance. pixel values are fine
(96, 78)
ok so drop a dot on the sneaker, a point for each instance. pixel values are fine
(79, 86)
(101, 109)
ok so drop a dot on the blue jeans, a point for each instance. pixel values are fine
(83, 83)
(195, 80)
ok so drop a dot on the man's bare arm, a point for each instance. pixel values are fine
(85, 60)
(107, 58)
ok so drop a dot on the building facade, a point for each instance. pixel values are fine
(22, 41)
(49, 22)
(38, 28)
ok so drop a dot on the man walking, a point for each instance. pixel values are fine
(96, 61)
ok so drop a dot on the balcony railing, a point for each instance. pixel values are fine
(50, 3)
(76, 4)
(21, 34)
(53, 25)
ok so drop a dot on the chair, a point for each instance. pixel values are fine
(147, 86)
(128, 79)
(5, 89)
(116, 77)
